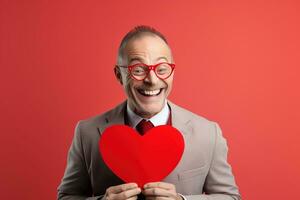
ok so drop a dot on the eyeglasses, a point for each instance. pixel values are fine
(140, 71)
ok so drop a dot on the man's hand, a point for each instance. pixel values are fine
(128, 191)
(160, 191)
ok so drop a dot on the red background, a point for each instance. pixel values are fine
(237, 64)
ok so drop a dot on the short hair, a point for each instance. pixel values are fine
(138, 31)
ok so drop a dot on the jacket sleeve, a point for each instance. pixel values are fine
(75, 184)
(219, 183)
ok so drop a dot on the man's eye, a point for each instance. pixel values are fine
(138, 70)
(162, 70)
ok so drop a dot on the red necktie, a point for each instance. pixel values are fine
(144, 126)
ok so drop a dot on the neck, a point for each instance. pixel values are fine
(143, 114)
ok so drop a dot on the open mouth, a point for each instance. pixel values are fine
(149, 93)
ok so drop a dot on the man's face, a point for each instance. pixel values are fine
(148, 49)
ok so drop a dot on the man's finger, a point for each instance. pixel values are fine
(133, 198)
(158, 192)
(127, 194)
(167, 186)
(121, 188)
(159, 198)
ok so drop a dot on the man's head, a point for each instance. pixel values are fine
(144, 45)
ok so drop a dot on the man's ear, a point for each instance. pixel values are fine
(118, 74)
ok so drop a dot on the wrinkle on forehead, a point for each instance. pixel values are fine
(147, 49)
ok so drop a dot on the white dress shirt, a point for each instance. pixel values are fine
(160, 118)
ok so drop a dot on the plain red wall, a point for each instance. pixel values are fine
(237, 64)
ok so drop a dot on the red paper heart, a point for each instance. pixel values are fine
(141, 159)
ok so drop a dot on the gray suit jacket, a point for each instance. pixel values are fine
(203, 172)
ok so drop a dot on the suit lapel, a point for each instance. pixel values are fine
(115, 116)
(180, 120)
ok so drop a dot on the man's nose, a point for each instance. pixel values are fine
(151, 77)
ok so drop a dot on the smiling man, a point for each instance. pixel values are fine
(145, 68)
(146, 89)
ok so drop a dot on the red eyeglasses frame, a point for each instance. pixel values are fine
(150, 67)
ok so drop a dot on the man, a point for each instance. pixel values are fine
(145, 69)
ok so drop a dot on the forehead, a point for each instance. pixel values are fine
(148, 48)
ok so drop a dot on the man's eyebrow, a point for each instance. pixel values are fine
(161, 57)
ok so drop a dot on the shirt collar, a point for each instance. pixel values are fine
(160, 118)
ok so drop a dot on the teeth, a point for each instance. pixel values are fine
(150, 92)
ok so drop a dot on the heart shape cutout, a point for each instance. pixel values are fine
(141, 159)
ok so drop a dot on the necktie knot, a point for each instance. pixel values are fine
(144, 126)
